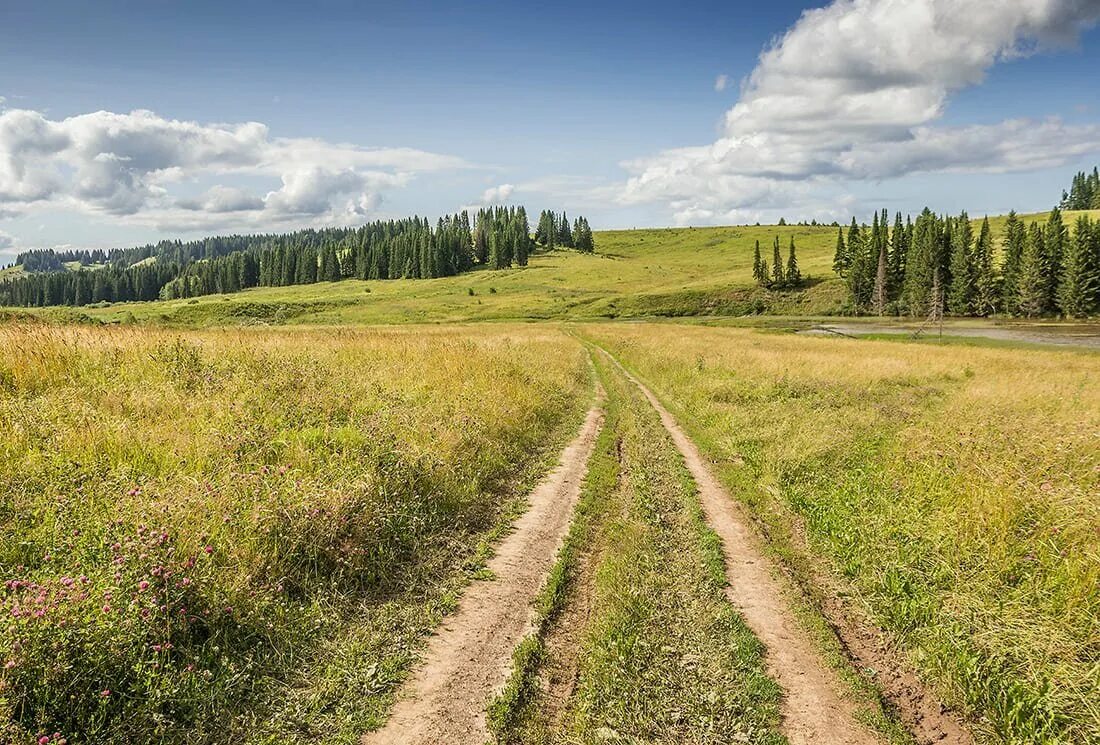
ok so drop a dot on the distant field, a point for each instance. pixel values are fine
(668, 272)
(243, 536)
(952, 489)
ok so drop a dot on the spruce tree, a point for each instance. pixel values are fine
(1033, 281)
(1080, 278)
(777, 266)
(920, 267)
(880, 295)
(986, 290)
(1055, 238)
(842, 260)
(758, 272)
(793, 275)
(1014, 239)
(960, 295)
(899, 245)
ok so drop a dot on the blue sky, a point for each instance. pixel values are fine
(606, 109)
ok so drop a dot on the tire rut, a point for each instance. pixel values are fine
(814, 709)
(470, 656)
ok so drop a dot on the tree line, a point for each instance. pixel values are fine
(554, 231)
(937, 264)
(1084, 193)
(411, 248)
(778, 277)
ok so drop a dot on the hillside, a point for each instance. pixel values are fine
(665, 272)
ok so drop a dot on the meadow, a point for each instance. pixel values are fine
(950, 493)
(203, 535)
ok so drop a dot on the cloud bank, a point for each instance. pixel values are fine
(132, 166)
(852, 91)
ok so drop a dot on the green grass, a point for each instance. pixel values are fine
(947, 487)
(669, 272)
(246, 535)
(662, 657)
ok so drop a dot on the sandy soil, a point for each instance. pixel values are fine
(470, 657)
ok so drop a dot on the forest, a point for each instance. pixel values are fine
(411, 248)
(937, 264)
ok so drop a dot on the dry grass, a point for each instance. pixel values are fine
(188, 520)
(957, 488)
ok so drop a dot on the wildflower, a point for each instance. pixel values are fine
(208, 549)
(9, 664)
(44, 740)
(105, 693)
(143, 585)
(106, 607)
(67, 581)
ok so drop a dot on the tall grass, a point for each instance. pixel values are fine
(186, 518)
(956, 489)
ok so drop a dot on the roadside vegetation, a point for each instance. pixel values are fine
(951, 492)
(245, 535)
(637, 641)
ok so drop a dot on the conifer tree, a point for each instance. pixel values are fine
(759, 273)
(842, 260)
(1080, 280)
(1033, 285)
(777, 266)
(960, 295)
(899, 246)
(1055, 238)
(793, 276)
(1014, 239)
(880, 294)
(986, 290)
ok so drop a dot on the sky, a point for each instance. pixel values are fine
(128, 122)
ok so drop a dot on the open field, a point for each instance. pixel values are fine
(669, 272)
(245, 535)
(950, 492)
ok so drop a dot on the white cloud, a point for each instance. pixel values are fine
(852, 92)
(498, 194)
(721, 82)
(125, 165)
(6, 240)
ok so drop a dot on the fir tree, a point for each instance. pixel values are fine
(986, 290)
(960, 295)
(777, 266)
(793, 276)
(1014, 240)
(758, 272)
(1033, 285)
(842, 260)
(1080, 279)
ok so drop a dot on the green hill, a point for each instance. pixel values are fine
(634, 273)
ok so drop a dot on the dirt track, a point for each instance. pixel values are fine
(815, 711)
(470, 657)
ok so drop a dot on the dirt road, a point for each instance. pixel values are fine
(470, 656)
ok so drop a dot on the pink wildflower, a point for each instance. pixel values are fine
(208, 549)
(143, 585)
(105, 693)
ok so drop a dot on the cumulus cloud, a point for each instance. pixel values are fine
(498, 194)
(853, 90)
(125, 165)
(721, 82)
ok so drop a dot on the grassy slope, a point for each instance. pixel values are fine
(961, 511)
(681, 271)
(218, 528)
